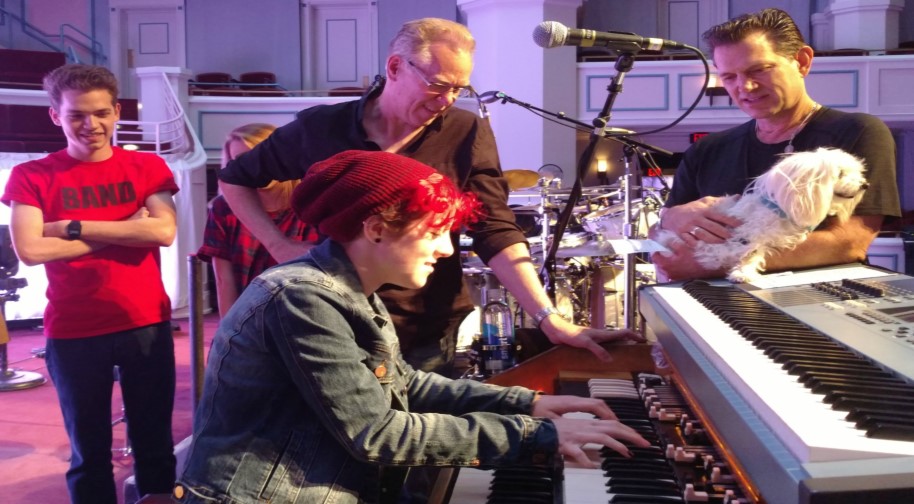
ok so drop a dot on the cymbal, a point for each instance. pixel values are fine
(589, 249)
(535, 209)
(524, 209)
(591, 191)
(521, 179)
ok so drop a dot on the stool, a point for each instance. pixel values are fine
(130, 490)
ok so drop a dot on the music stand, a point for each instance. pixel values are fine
(11, 379)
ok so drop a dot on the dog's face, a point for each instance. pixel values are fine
(849, 188)
(809, 186)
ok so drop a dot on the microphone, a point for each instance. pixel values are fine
(491, 96)
(554, 34)
(618, 131)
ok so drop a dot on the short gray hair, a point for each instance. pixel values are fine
(414, 38)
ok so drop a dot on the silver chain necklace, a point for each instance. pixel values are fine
(789, 147)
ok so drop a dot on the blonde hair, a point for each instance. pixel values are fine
(251, 135)
(414, 38)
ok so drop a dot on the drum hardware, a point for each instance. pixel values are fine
(598, 191)
(600, 129)
(628, 268)
(474, 370)
(551, 174)
(533, 209)
(577, 278)
(609, 222)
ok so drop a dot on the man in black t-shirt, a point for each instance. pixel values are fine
(762, 61)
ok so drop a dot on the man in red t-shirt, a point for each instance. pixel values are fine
(95, 215)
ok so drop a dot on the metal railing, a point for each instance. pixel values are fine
(171, 136)
(85, 41)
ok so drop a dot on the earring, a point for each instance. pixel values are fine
(377, 240)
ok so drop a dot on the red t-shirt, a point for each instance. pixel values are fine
(116, 288)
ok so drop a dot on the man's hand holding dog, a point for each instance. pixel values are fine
(699, 220)
(695, 221)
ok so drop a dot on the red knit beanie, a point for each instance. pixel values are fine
(339, 193)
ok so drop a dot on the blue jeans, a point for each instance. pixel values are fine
(83, 373)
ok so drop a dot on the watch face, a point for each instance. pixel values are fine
(74, 229)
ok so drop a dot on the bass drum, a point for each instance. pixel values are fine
(479, 278)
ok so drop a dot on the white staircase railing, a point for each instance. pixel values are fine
(171, 136)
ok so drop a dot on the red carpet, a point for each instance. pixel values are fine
(34, 450)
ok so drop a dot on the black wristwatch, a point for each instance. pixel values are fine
(74, 230)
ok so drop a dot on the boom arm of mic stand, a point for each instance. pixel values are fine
(627, 140)
(558, 115)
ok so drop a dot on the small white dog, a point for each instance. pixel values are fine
(780, 208)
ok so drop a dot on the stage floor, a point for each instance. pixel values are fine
(34, 450)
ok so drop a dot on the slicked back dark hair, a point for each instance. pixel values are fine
(776, 24)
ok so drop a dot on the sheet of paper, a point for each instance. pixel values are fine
(636, 246)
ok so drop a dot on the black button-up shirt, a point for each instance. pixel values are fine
(459, 144)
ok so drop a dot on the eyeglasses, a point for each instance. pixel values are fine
(440, 88)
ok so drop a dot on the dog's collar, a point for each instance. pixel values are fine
(768, 202)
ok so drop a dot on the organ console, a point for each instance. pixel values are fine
(797, 389)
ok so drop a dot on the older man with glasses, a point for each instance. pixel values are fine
(410, 113)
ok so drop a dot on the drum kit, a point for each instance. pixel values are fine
(588, 281)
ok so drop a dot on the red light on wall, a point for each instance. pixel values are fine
(694, 137)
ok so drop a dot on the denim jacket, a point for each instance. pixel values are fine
(307, 399)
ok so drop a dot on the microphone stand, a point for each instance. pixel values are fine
(624, 64)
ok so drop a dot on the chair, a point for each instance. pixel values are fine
(213, 83)
(130, 111)
(131, 492)
(905, 47)
(260, 83)
(29, 124)
(346, 91)
(21, 69)
(12, 146)
(850, 51)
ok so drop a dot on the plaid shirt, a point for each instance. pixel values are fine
(226, 238)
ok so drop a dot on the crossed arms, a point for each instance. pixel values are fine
(39, 242)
